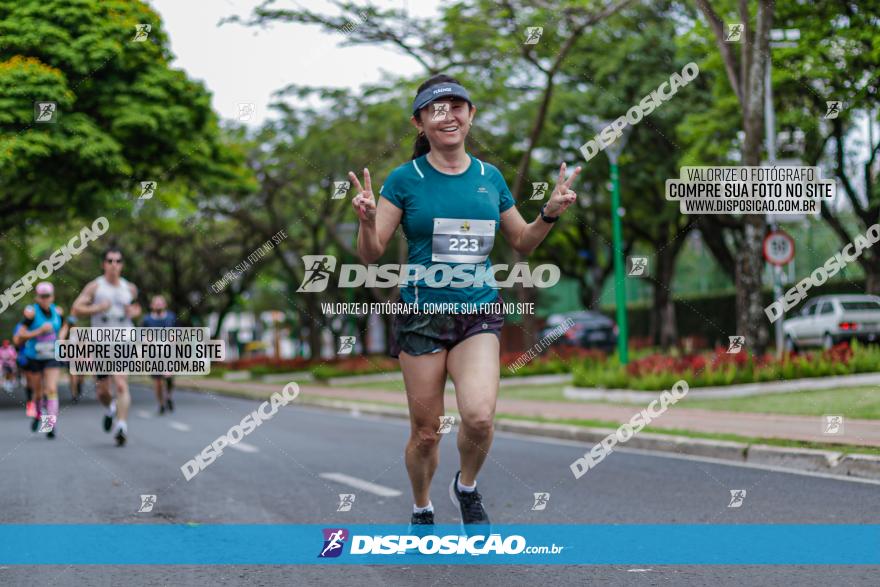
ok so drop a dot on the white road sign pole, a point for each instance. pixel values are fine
(779, 251)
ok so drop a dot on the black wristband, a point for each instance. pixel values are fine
(548, 219)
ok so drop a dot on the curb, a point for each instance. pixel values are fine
(509, 381)
(804, 459)
(728, 391)
(862, 466)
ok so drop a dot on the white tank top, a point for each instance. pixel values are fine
(119, 296)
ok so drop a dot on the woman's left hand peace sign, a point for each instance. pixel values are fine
(562, 196)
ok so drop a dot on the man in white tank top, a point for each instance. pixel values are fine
(111, 300)
(117, 297)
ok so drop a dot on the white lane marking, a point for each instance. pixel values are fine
(179, 426)
(696, 458)
(772, 468)
(643, 452)
(379, 490)
(144, 414)
(244, 447)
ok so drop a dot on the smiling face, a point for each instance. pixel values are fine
(445, 122)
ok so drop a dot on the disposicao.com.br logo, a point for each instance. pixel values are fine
(334, 540)
(320, 268)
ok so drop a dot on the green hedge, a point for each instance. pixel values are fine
(838, 361)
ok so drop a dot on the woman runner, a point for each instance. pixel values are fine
(41, 327)
(450, 205)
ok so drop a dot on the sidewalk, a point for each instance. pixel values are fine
(726, 391)
(750, 425)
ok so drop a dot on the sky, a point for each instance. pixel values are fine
(241, 64)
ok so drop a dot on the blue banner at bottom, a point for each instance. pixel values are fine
(272, 544)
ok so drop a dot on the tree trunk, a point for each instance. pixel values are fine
(587, 295)
(362, 330)
(747, 82)
(713, 237)
(663, 329)
(386, 323)
(526, 295)
(750, 319)
(872, 278)
(314, 326)
(221, 315)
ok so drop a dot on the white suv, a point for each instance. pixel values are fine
(828, 320)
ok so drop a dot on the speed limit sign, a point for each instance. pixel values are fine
(778, 248)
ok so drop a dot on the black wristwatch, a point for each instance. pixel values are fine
(548, 219)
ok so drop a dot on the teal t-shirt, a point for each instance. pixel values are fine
(449, 220)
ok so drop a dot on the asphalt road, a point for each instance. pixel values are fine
(291, 469)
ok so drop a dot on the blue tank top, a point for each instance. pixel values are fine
(167, 321)
(42, 348)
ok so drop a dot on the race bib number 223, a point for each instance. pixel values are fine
(457, 240)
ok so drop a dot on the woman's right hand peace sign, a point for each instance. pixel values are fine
(364, 202)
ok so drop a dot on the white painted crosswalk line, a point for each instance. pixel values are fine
(379, 490)
(144, 414)
(244, 447)
(179, 426)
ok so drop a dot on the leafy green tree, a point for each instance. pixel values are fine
(297, 159)
(835, 59)
(122, 114)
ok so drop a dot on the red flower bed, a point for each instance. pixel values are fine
(659, 364)
(563, 352)
(574, 352)
(361, 363)
(295, 364)
(841, 353)
(302, 364)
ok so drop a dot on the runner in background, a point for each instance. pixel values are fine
(76, 381)
(30, 407)
(111, 301)
(160, 317)
(41, 327)
(8, 359)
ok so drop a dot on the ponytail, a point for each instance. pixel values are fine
(421, 146)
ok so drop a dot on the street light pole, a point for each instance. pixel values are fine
(613, 150)
(779, 38)
(770, 132)
(619, 274)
